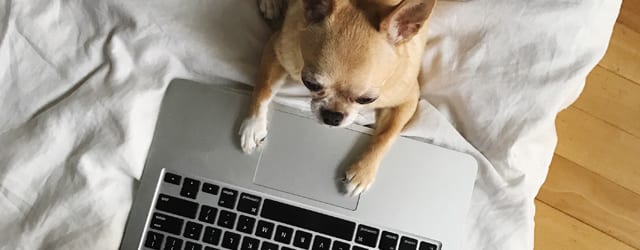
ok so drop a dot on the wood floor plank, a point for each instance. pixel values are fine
(595, 176)
(613, 99)
(557, 231)
(623, 55)
(593, 200)
(630, 14)
(599, 147)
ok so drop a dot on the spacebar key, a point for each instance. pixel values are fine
(308, 219)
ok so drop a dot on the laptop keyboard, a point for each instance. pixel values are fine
(197, 214)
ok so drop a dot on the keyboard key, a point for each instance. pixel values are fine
(283, 234)
(177, 206)
(249, 243)
(308, 219)
(212, 235)
(367, 236)
(173, 244)
(245, 224)
(322, 243)
(210, 188)
(210, 248)
(228, 198)
(268, 246)
(286, 248)
(427, 246)
(172, 178)
(302, 239)
(192, 246)
(249, 204)
(355, 247)
(154, 240)
(388, 241)
(207, 214)
(190, 188)
(230, 240)
(265, 229)
(166, 223)
(192, 230)
(339, 245)
(407, 243)
(227, 219)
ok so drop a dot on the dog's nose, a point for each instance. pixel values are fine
(331, 117)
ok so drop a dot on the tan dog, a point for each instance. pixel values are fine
(351, 55)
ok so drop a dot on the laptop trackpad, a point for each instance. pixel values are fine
(307, 159)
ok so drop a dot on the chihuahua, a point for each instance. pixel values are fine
(350, 55)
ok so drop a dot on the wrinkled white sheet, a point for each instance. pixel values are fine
(81, 83)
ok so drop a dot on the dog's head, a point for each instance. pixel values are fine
(350, 49)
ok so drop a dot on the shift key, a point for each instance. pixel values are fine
(166, 223)
(178, 206)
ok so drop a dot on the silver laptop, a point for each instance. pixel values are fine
(199, 191)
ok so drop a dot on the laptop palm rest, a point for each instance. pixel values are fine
(315, 173)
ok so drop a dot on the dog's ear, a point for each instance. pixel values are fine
(316, 10)
(405, 20)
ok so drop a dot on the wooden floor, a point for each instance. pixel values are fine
(591, 199)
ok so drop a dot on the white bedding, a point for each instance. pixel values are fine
(81, 83)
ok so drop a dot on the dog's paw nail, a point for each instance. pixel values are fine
(349, 176)
(343, 180)
(346, 178)
(355, 189)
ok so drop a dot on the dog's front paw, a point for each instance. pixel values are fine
(271, 8)
(360, 177)
(253, 132)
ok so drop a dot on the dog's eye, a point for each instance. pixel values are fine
(365, 100)
(311, 85)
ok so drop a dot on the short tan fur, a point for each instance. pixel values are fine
(351, 55)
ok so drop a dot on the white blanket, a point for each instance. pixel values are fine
(81, 83)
